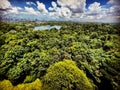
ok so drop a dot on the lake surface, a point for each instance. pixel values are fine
(47, 27)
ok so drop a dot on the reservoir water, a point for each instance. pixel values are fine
(47, 27)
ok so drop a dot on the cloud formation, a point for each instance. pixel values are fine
(95, 8)
(30, 3)
(66, 10)
(114, 2)
(62, 12)
(41, 7)
(15, 10)
(76, 6)
(54, 4)
(30, 10)
(114, 10)
(6, 8)
(5, 4)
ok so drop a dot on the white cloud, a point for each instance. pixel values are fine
(96, 12)
(60, 12)
(5, 4)
(30, 3)
(75, 10)
(15, 10)
(54, 4)
(114, 2)
(95, 7)
(30, 10)
(76, 6)
(99, 13)
(64, 12)
(115, 7)
(69, 8)
(51, 9)
(7, 8)
(77, 15)
(41, 7)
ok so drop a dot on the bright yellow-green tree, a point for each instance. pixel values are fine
(65, 75)
(7, 85)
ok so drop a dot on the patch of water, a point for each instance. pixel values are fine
(47, 27)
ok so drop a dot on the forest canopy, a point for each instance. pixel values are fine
(27, 55)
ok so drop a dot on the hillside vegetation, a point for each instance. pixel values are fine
(79, 56)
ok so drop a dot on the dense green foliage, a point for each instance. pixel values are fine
(26, 54)
(65, 75)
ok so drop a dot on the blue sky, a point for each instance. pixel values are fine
(61, 10)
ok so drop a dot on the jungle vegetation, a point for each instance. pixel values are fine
(79, 56)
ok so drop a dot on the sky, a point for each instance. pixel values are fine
(106, 11)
